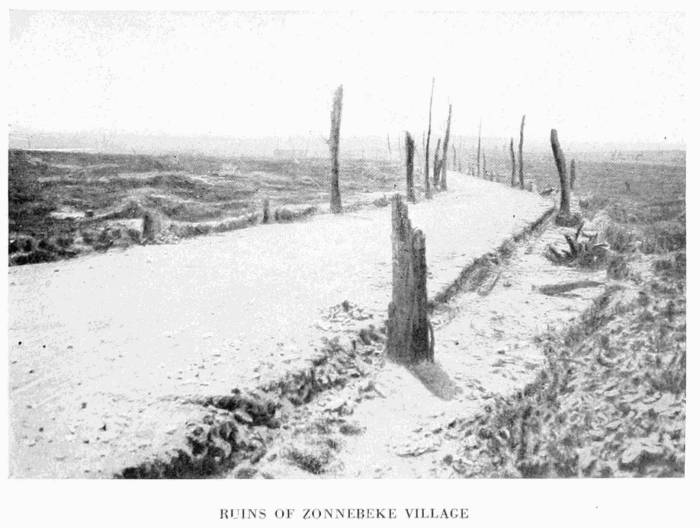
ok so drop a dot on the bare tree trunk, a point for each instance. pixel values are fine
(512, 165)
(436, 166)
(334, 142)
(409, 333)
(445, 144)
(454, 158)
(565, 205)
(410, 146)
(427, 142)
(483, 163)
(521, 173)
(388, 145)
(572, 174)
(478, 154)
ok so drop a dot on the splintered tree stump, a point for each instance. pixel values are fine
(445, 144)
(572, 174)
(409, 333)
(483, 163)
(564, 216)
(410, 148)
(151, 226)
(513, 177)
(521, 171)
(334, 144)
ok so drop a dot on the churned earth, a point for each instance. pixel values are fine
(113, 357)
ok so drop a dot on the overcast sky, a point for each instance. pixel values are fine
(595, 77)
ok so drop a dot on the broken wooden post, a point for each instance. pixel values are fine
(443, 179)
(521, 173)
(334, 141)
(512, 165)
(478, 154)
(266, 211)
(436, 166)
(572, 174)
(565, 204)
(409, 333)
(410, 147)
(427, 142)
(151, 226)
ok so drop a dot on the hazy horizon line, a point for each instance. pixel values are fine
(27, 138)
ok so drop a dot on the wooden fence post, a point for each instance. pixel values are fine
(427, 143)
(334, 142)
(409, 333)
(410, 147)
(513, 180)
(565, 204)
(445, 144)
(572, 174)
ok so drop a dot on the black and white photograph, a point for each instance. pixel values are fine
(326, 245)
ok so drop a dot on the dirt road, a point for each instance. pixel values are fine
(399, 422)
(107, 350)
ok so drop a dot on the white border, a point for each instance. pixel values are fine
(491, 502)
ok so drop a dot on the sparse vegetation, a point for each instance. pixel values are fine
(583, 250)
(611, 400)
(69, 202)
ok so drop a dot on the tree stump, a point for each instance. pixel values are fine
(478, 154)
(409, 333)
(564, 215)
(445, 144)
(410, 147)
(427, 143)
(151, 227)
(266, 211)
(436, 166)
(513, 177)
(334, 144)
(521, 171)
